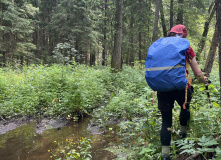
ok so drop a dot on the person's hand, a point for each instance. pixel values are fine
(207, 80)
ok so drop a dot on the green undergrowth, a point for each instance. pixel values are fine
(64, 90)
(75, 90)
(141, 121)
(48, 91)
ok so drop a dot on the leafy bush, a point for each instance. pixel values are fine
(141, 121)
(70, 150)
(50, 91)
(72, 90)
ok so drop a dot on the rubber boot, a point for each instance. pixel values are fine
(166, 158)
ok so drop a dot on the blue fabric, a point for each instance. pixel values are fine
(164, 52)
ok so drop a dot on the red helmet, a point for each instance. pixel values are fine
(180, 29)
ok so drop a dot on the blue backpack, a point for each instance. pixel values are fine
(165, 64)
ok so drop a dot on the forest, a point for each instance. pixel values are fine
(76, 58)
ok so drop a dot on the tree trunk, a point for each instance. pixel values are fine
(212, 53)
(87, 55)
(171, 14)
(149, 35)
(116, 60)
(218, 20)
(180, 12)
(155, 32)
(204, 35)
(104, 33)
(140, 46)
(4, 59)
(1, 33)
(92, 59)
(22, 60)
(162, 19)
(131, 43)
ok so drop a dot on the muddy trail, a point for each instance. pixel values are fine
(34, 140)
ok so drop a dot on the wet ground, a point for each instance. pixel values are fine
(31, 140)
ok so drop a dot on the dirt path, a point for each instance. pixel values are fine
(41, 125)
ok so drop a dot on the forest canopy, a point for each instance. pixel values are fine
(39, 31)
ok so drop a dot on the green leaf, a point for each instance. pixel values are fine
(216, 105)
(209, 143)
(205, 142)
(207, 149)
(191, 151)
(201, 88)
(146, 150)
(138, 139)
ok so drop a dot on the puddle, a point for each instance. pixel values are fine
(25, 143)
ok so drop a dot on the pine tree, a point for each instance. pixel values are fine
(71, 23)
(16, 32)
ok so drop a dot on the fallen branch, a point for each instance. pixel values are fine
(193, 156)
(172, 130)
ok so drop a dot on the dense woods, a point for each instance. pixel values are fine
(102, 32)
(70, 58)
(40, 31)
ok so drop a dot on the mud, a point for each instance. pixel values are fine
(41, 125)
(8, 125)
(46, 124)
(33, 139)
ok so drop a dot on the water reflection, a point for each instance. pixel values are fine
(23, 143)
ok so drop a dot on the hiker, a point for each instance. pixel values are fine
(166, 99)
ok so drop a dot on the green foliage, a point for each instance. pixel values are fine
(30, 29)
(201, 146)
(128, 93)
(76, 23)
(130, 101)
(141, 121)
(62, 53)
(16, 30)
(73, 90)
(50, 91)
(69, 150)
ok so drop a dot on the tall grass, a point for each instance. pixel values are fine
(50, 91)
(62, 90)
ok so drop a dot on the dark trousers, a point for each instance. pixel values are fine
(166, 104)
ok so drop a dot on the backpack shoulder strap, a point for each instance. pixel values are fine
(188, 77)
